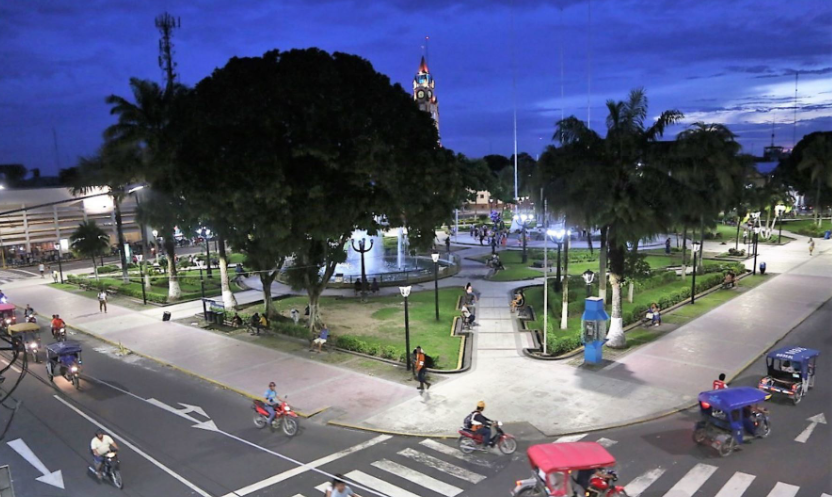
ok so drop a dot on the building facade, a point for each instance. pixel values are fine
(424, 92)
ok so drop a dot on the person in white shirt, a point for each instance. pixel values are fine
(338, 488)
(100, 446)
(41, 268)
(102, 301)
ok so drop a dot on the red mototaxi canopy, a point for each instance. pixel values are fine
(569, 456)
(7, 307)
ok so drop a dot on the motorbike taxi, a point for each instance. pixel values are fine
(7, 317)
(791, 371)
(556, 466)
(28, 335)
(728, 415)
(64, 359)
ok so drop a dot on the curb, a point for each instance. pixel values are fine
(388, 432)
(187, 372)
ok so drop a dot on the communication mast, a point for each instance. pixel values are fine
(166, 23)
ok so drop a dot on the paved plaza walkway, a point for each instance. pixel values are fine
(553, 396)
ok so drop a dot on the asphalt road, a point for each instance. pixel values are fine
(166, 453)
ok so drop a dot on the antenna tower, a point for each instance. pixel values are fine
(166, 23)
(794, 125)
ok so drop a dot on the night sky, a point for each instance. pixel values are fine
(730, 61)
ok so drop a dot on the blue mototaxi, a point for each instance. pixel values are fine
(728, 415)
(64, 359)
(791, 371)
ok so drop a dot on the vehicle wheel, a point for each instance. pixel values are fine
(259, 421)
(117, 481)
(466, 445)
(77, 382)
(763, 430)
(507, 445)
(798, 396)
(699, 435)
(728, 447)
(290, 426)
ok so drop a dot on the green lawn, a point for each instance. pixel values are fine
(380, 321)
(808, 227)
(729, 235)
(189, 284)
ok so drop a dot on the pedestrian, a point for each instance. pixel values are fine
(448, 244)
(338, 488)
(667, 246)
(720, 383)
(374, 286)
(255, 324)
(295, 315)
(494, 244)
(41, 268)
(421, 369)
(357, 286)
(102, 300)
(55, 276)
(264, 323)
(811, 246)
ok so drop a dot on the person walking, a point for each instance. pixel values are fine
(494, 244)
(811, 246)
(448, 244)
(421, 369)
(295, 316)
(41, 268)
(102, 301)
(255, 324)
(667, 246)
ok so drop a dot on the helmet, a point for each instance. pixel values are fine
(480, 405)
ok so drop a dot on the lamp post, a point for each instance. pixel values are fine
(206, 234)
(405, 293)
(696, 246)
(435, 257)
(588, 277)
(779, 209)
(756, 232)
(60, 265)
(524, 220)
(363, 249)
(559, 239)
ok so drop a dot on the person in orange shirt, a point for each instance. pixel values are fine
(421, 370)
(720, 383)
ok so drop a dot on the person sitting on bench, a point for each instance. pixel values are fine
(730, 280)
(519, 301)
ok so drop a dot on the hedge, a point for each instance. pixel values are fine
(108, 268)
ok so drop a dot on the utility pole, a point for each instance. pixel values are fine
(166, 23)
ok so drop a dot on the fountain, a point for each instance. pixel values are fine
(383, 267)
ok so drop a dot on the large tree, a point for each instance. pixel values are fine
(89, 240)
(817, 164)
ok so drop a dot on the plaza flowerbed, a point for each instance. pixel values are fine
(158, 291)
(376, 327)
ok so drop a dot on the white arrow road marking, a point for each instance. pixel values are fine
(640, 484)
(571, 438)
(135, 449)
(606, 442)
(196, 409)
(50, 478)
(783, 490)
(813, 423)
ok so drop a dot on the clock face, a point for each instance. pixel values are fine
(420, 94)
(430, 94)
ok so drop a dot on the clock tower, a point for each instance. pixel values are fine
(423, 92)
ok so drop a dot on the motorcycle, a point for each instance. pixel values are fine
(59, 334)
(284, 417)
(604, 487)
(110, 470)
(470, 441)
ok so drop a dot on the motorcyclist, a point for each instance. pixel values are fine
(57, 324)
(272, 400)
(583, 477)
(100, 446)
(482, 425)
(28, 311)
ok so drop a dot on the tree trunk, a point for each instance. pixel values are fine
(228, 299)
(602, 264)
(615, 334)
(266, 279)
(564, 315)
(818, 217)
(120, 235)
(94, 268)
(174, 291)
(737, 243)
(589, 237)
(684, 250)
(699, 261)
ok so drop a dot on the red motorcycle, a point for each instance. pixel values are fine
(469, 441)
(284, 417)
(605, 487)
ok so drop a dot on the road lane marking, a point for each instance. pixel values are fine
(737, 485)
(640, 484)
(571, 438)
(135, 449)
(606, 442)
(53, 478)
(783, 490)
(380, 485)
(450, 451)
(445, 467)
(418, 478)
(301, 468)
(691, 482)
(813, 423)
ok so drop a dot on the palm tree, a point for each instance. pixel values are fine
(817, 159)
(89, 240)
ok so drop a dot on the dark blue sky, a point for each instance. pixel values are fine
(718, 61)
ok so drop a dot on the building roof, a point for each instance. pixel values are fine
(423, 66)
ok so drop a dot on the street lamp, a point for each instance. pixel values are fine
(779, 209)
(524, 220)
(696, 246)
(405, 293)
(589, 277)
(756, 232)
(435, 257)
(558, 236)
(206, 234)
(362, 249)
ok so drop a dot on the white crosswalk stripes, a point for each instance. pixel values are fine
(418, 478)
(445, 467)
(691, 482)
(640, 484)
(783, 490)
(736, 486)
(378, 484)
(453, 452)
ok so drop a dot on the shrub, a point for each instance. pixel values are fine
(372, 349)
(389, 352)
(560, 345)
(108, 268)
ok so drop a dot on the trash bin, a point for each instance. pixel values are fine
(219, 317)
(827, 235)
(166, 316)
(209, 317)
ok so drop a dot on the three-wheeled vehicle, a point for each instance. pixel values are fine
(7, 317)
(558, 468)
(28, 335)
(64, 359)
(727, 415)
(791, 371)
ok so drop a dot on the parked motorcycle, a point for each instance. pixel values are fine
(470, 441)
(110, 470)
(285, 418)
